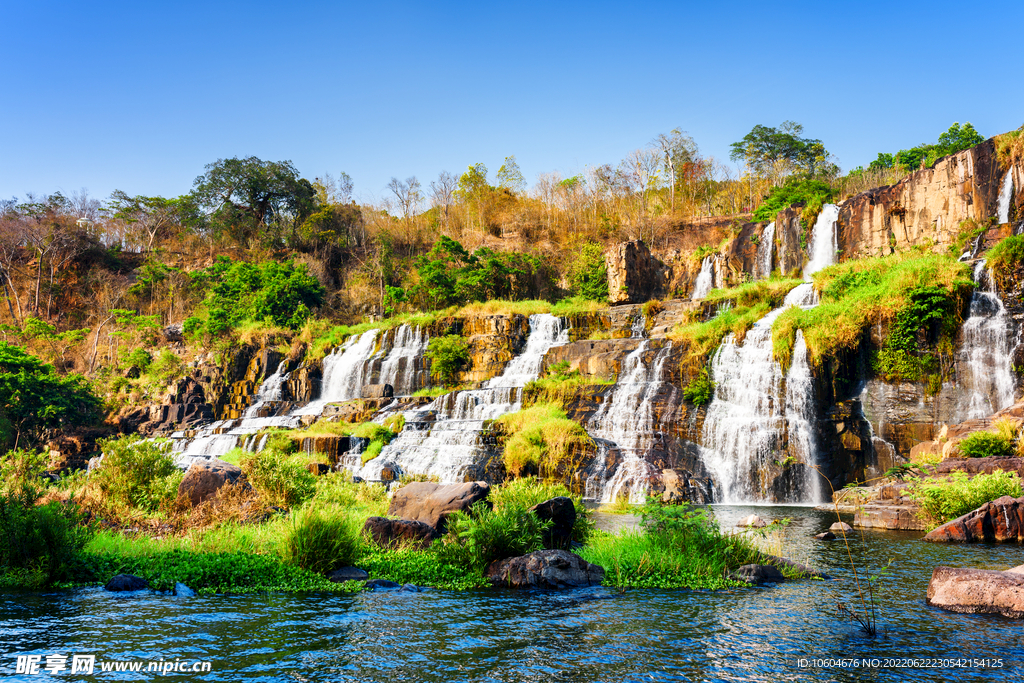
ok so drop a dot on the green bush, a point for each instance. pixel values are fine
(279, 479)
(137, 473)
(140, 358)
(485, 535)
(1005, 257)
(542, 440)
(986, 445)
(816, 192)
(588, 274)
(701, 390)
(379, 436)
(447, 356)
(946, 500)
(526, 492)
(449, 275)
(324, 538)
(165, 367)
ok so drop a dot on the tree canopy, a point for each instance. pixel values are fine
(764, 148)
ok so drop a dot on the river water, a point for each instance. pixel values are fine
(597, 634)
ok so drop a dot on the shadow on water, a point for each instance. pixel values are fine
(750, 634)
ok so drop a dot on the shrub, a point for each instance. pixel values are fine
(541, 439)
(701, 390)
(986, 445)
(485, 535)
(526, 492)
(140, 358)
(946, 500)
(1005, 257)
(793, 191)
(137, 473)
(165, 367)
(588, 274)
(447, 356)
(279, 479)
(323, 538)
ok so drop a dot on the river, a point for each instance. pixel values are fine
(749, 634)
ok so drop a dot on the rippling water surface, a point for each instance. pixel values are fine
(752, 634)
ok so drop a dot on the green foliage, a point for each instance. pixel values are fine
(588, 274)
(449, 275)
(956, 139)
(1005, 257)
(447, 356)
(379, 436)
(324, 538)
(946, 500)
(485, 534)
(165, 367)
(526, 492)
(34, 399)
(986, 445)
(282, 294)
(139, 358)
(795, 190)
(701, 389)
(431, 567)
(764, 147)
(542, 440)
(279, 479)
(137, 473)
(560, 386)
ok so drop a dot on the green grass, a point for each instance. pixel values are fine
(542, 440)
(562, 389)
(1005, 257)
(942, 501)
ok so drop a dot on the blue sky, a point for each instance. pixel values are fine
(140, 96)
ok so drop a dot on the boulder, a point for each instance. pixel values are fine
(374, 584)
(425, 501)
(378, 391)
(318, 468)
(1001, 520)
(545, 569)
(752, 521)
(393, 533)
(756, 574)
(205, 478)
(183, 591)
(126, 582)
(840, 527)
(977, 591)
(347, 574)
(561, 513)
(826, 536)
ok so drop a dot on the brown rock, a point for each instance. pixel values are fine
(752, 521)
(892, 517)
(393, 533)
(378, 391)
(561, 513)
(632, 272)
(977, 591)
(840, 527)
(431, 503)
(545, 569)
(204, 479)
(318, 468)
(1000, 520)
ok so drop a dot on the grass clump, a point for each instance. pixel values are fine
(487, 534)
(324, 538)
(542, 440)
(526, 492)
(379, 436)
(1004, 258)
(560, 386)
(986, 445)
(1010, 148)
(279, 478)
(701, 389)
(945, 500)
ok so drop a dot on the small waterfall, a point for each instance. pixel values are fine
(765, 249)
(824, 242)
(705, 281)
(984, 364)
(270, 390)
(1005, 195)
(800, 417)
(627, 419)
(344, 372)
(399, 368)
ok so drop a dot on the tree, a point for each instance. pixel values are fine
(407, 194)
(245, 197)
(777, 152)
(677, 149)
(473, 189)
(958, 138)
(442, 195)
(510, 177)
(149, 217)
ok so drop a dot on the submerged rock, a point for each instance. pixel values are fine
(393, 533)
(374, 584)
(561, 512)
(347, 574)
(978, 591)
(826, 536)
(183, 591)
(545, 569)
(752, 521)
(126, 582)
(431, 503)
(205, 478)
(756, 574)
(1001, 520)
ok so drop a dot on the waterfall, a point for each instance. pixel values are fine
(984, 363)
(399, 368)
(1005, 195)
(765, 249)
(800, 417)
(705, 278)
(627, 419)
(270, 390)
(446, 439)
(345, 371)
(823, 241)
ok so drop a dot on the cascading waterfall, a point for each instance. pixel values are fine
(824, 243)
(452, 442)
(270, 390)
(765, 248)
(705, 281)
(1005, 195)
(344, 372)
(984, 364)
(800, 415)
(627, 419)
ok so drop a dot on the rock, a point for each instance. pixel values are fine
(1001, 520)
(318, 468)
(561, 513)
(431, 503)
(174, 333)
(94, 463)
(780, 562)
(126, 582)
(757, 574)
(977, 591)
(545, 569)
(840, 527)
(632, 272)
(410, 588)
(892, 517)
(752, 521)
(826, 536)
(383, 584)
(205, 478)
(681, 486)
(347, 574)
(1019, 569)
(394, 533)
(183, 591)
(378, 391)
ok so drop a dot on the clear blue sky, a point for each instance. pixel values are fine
(140, 96)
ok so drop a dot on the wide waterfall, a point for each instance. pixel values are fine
(446, 438)
(705, 280)
(1005, 195)
(765, 249)
(984, 365)
(626, 418)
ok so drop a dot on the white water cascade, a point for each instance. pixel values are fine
(453, 441)
(984, 365)
(398, 368)
(824, 241)
(627, 419)
(345, 371)
(705, 280)
(765, 248)
(800, 414)
(1005, 195)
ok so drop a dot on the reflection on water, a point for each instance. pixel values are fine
(755, 634)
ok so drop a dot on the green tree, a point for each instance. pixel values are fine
(447, 356)
(765, 148)
(510, 177)
(959, 138)
(588, 274)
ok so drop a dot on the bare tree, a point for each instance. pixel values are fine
(442, 195)
(676, 149)
(639, 171)
(408, 195)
